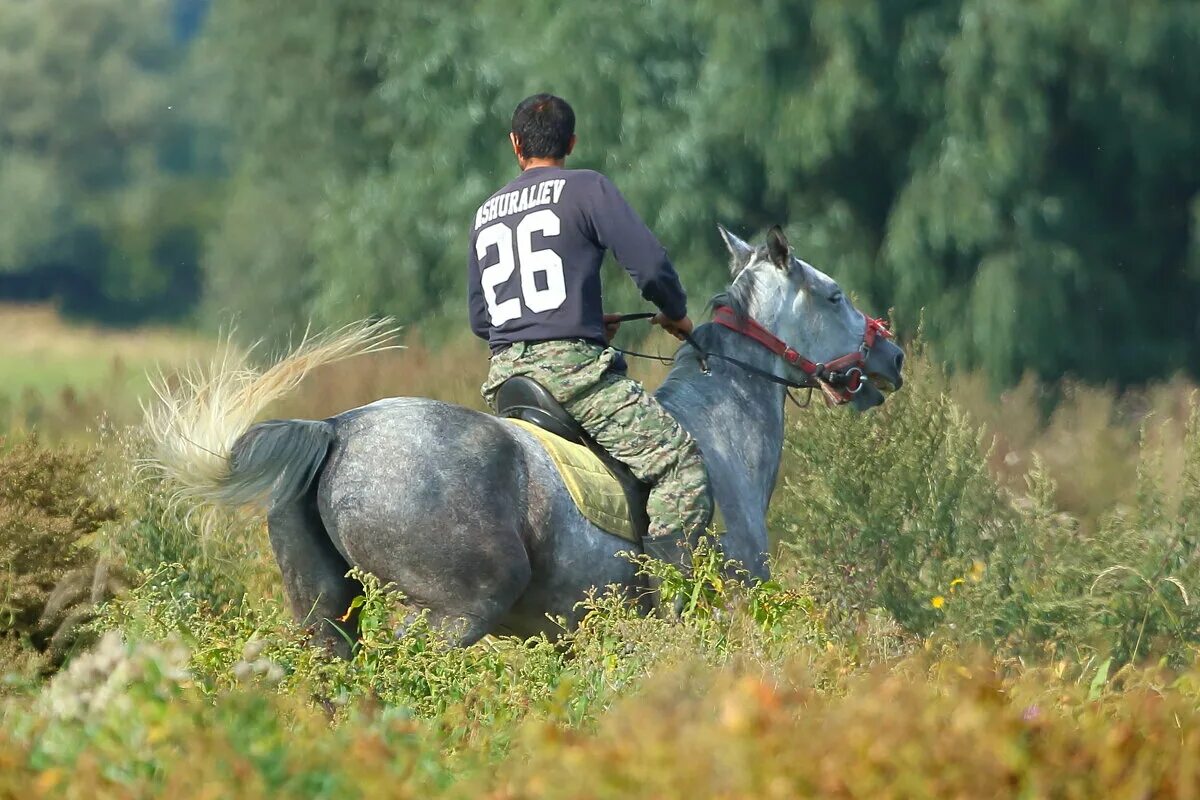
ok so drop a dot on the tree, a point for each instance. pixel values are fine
(1023, 172)
(98, 200)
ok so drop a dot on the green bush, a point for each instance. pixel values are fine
(49, 570)
(76, 526)
(898, 509)
(887, 508)
(256, 642)
(749, 730)
(127, 720)
(719, 704)
(223, 564)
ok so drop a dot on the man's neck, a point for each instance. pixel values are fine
(534, 163)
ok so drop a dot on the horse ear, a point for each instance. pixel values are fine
(778, 249)
(741, 251)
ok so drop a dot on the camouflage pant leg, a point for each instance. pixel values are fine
(566, 368)
(629, 423)
(625, 420)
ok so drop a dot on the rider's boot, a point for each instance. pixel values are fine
(672, 549)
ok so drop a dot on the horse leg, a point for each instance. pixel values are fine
(314, 573)
(432, 500)
(466, 591)
(460, 569)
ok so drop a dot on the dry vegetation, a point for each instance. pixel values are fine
(1002, 607)
(62, 378)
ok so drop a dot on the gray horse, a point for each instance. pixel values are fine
(465, 512)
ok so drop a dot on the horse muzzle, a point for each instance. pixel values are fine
(867, 397)
(885, 366)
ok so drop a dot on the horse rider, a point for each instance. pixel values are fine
(534, 295)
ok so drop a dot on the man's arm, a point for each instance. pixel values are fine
(481, 323)
(619, 228)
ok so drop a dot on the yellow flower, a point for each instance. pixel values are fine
(977, 568)
(938, 601)
(956, 582)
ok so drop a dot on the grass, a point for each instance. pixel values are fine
(974, 596)
(59, 376)
(43, 353)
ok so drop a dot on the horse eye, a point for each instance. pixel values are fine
(837, 298)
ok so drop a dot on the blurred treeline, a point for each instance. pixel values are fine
(1025, 172)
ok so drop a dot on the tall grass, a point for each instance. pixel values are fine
(974, 597)
(61, 379)
(195, 705)
(900, 510)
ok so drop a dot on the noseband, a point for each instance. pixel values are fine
(839, 379)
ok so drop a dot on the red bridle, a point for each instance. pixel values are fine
(839, 379)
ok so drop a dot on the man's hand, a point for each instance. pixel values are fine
(612, 323)
(679, 328)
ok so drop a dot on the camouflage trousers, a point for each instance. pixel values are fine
(624, 419)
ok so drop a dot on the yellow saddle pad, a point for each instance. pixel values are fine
(593, 488)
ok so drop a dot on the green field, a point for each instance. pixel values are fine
(988, 587)
(60, 376)
(972, 599)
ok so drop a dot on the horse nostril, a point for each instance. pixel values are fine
(899, 363)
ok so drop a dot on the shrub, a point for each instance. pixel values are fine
(48, 562)
(256, 642)
(223, 564)
(749, 730)
(127, 720)
(673, 712)
(888, 508)
(1151, 585)
(898, 509)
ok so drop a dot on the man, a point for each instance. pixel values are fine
(534, 294)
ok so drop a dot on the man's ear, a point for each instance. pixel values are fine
(570, 145)
(516, 145)
(778, 249)
(741, 251)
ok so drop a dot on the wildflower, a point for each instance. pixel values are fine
(243, 671)
(101, 680)
(253, 649)
(938, 601)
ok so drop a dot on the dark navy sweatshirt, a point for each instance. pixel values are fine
(533, 271)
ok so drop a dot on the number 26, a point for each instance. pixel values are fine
(531, 262)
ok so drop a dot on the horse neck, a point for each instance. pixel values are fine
(737, 418)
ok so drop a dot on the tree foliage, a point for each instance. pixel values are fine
(101, 190)
(1024, 173)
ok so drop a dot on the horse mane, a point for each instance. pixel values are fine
(740, 294)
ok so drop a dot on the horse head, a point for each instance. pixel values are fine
(806, 309)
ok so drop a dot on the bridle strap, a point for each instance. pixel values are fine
(726, 317)
(703, 355)
(839, 379)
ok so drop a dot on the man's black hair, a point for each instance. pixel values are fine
(544, 125)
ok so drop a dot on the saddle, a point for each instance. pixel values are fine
(525, 400)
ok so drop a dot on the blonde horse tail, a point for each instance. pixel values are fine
(204, 440)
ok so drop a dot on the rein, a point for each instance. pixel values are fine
(839, 380)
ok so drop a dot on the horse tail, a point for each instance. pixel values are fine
(204, 442)
(281, 456)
